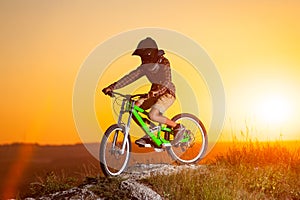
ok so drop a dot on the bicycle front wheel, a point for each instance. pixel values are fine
(113, 160)
(194, 147)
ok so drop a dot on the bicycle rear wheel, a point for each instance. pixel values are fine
(112, 160)
(193, 150)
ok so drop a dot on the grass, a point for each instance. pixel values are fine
(249, 170)
(51, 183)
(102, 186)
(246, 170)
(54, 182)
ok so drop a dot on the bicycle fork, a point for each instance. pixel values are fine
(126, 127)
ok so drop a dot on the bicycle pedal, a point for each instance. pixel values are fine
(145, 145)
(158, 149)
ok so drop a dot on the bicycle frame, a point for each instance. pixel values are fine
(128, 105)
(113, 157)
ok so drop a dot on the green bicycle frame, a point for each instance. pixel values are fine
(157, 139)
(129, 106)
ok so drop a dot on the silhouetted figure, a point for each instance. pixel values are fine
(161, 96)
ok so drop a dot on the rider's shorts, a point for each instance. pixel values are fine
(164, 102)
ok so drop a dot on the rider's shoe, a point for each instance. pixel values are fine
(143, 141)
(178, 131)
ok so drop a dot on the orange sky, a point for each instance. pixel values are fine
(254, 44)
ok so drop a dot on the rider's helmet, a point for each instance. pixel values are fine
(147, 49)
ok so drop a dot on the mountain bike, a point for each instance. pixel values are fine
(116, 143)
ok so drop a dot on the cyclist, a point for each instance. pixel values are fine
(161, 96)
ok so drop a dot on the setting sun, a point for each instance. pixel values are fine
(274, 109)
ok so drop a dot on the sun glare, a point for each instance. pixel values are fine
(274, 109)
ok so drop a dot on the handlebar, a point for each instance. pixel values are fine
(127, 96)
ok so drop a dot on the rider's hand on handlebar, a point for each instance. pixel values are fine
(107, 91)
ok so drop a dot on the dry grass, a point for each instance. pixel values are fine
(248, 170)
(51, 183)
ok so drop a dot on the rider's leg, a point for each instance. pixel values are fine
(155, 115)
(144, 104)
(157, 108)
(178, 129)
(162, 104)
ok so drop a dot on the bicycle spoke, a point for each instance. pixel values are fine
(190, 151)
(113, 161)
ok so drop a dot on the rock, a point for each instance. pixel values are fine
(131, 176)
(140, 171)
(75, 193)
(139, 191)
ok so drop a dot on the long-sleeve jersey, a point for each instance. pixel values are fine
(159, 74)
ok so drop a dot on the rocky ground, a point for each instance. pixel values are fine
(130, 183)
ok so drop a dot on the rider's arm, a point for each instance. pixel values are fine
(129, 78)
